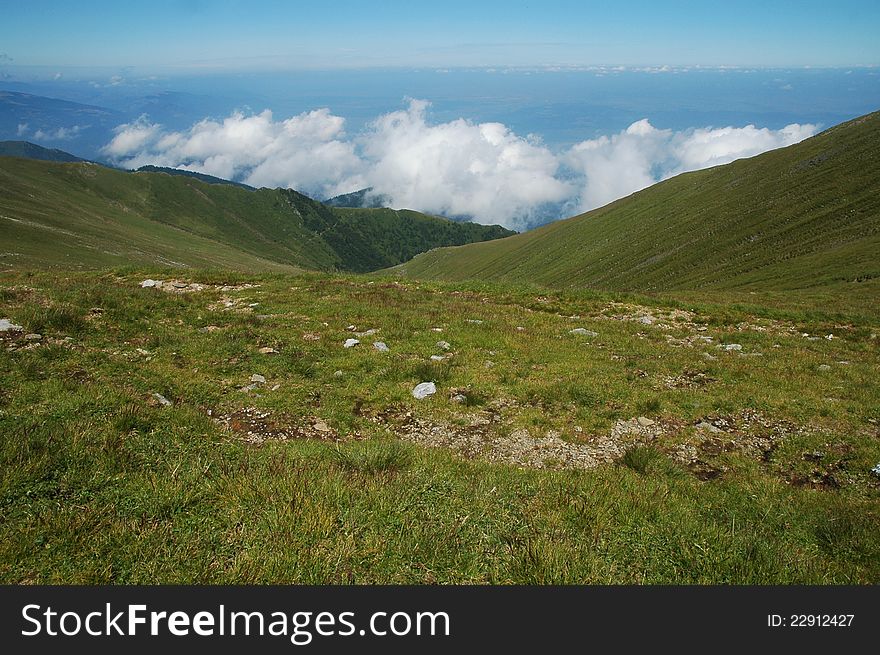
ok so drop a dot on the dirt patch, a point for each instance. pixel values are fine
(664, 319)
(256, 426)
(689, 379)
(486, 435)
(183, 286)
(749, 432)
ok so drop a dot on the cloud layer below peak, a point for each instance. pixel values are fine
(456, 168)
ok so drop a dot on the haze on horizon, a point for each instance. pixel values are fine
(197, 35)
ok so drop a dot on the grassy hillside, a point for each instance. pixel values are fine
(210, 179)
(139, 447)
(85, 215)
(807, 216)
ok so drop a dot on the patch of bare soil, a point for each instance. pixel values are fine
(485, 435)
(256, 426)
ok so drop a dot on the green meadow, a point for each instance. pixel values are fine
(218, 431)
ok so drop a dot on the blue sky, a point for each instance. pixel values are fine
(254, 34)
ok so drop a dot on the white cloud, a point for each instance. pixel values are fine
(22, 129)
(59, 134)
(616, 166)
(306, 152)
(459, 167)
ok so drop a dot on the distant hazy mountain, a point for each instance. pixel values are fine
(27, 150)
(803, 216)
(57, 123)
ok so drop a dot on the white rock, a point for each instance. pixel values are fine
(381, 346)
(732, 346)
(350, 343)
(475, 321)
(33, 337)
(645, 422)
(149, 284)
(459, 399)
(443, 345)
(437, 358)
(584, 332)
(7, 326)
(646, 320)
(352, 328)
(162, 400)
(257, 378)
(824, 367)
(424, 390)
(338, 374)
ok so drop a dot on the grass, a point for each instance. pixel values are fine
(322, 479)
(806, 216)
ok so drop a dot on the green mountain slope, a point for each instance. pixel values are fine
(86, 215)
(379, 238)
(204, 177)
(803, 216)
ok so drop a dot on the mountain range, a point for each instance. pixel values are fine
(806, 216)
(85, 215)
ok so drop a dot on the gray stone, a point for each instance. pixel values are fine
(7, 326)
(33, 337)
(437, 358)
(338, 374)
(475, 321)
(645, 320)
(443, 345)
(268, 351)
(584, 332)
(162, 400)
(381, 346)
(732, 346)
(423, 390)
(824, 367)
(350, 343)
(149, 284)
(180, 285)
(257, 378)
(459, 399)
(645, 422)
(704, 425)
